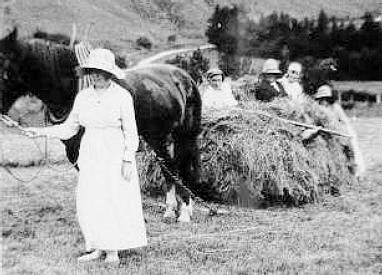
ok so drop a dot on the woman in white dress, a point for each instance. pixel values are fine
(291, 82)
(108, 198)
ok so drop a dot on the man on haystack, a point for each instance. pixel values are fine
(269, 88)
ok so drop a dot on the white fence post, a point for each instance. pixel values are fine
(378, 98)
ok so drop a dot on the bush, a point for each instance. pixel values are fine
(196, 65)
(171, 38)
(144, 42)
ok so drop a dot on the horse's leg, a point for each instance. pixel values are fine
(187, 157)
(186, 211)
(171, 203)
(164, 147)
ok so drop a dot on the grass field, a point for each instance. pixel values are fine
(371, 87)
(339, 235)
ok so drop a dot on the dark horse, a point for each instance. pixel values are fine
(317, 73)
(167, 101)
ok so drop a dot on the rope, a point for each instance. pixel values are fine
(11, 123)
(221, 121)
(46, 155)
(288, 121)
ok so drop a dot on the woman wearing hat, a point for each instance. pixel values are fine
(108, 199)
(325, 97)
(269, 87)
(216, 94)
(291, 81)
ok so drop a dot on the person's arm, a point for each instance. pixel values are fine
(129, 127)
(344, 118)
(130, 133)
(65, 130)
(264, 92)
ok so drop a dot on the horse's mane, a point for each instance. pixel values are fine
(57, 38)
(49, 71)
(58, 58)
(316, 73)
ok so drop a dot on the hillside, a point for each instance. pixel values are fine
(121, 22)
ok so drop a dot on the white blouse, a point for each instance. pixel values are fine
(110, 108)
(212, 98)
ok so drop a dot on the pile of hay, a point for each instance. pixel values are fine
(249, 159)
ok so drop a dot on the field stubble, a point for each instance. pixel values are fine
(340, 235)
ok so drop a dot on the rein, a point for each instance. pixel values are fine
(9, 122)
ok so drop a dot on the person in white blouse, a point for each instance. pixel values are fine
(108, 198)
(291, 81)
(216, 94)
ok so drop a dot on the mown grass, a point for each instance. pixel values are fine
(339, 235)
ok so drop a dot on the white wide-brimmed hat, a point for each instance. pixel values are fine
(324, 91)
(271, 66)
(103, 59)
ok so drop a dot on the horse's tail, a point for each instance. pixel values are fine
(187, 154)
(193, 112)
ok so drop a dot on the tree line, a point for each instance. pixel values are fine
(357, 49)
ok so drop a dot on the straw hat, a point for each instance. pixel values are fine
(271, 66)
(324, 91)
(103, 59)
(214, 71)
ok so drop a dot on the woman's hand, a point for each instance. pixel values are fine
(127, 170)
(32, 132)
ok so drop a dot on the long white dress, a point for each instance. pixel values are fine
(218, 98)
(293, 89)
(109, 208)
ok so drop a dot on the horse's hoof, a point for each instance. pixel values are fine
(169, 214)
(186, 219)
(169, 220)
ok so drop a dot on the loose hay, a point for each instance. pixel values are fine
(248, 159)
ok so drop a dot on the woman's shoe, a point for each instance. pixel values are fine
(112, 257)
(96, 254)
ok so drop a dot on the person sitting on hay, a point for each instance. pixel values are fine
(217, 94)
(325, 97)
(269, 88)
(291, 81)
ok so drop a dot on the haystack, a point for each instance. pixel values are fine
(249, 158)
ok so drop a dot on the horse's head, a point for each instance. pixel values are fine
(41, 67)
(11, 82)
(318, 73)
